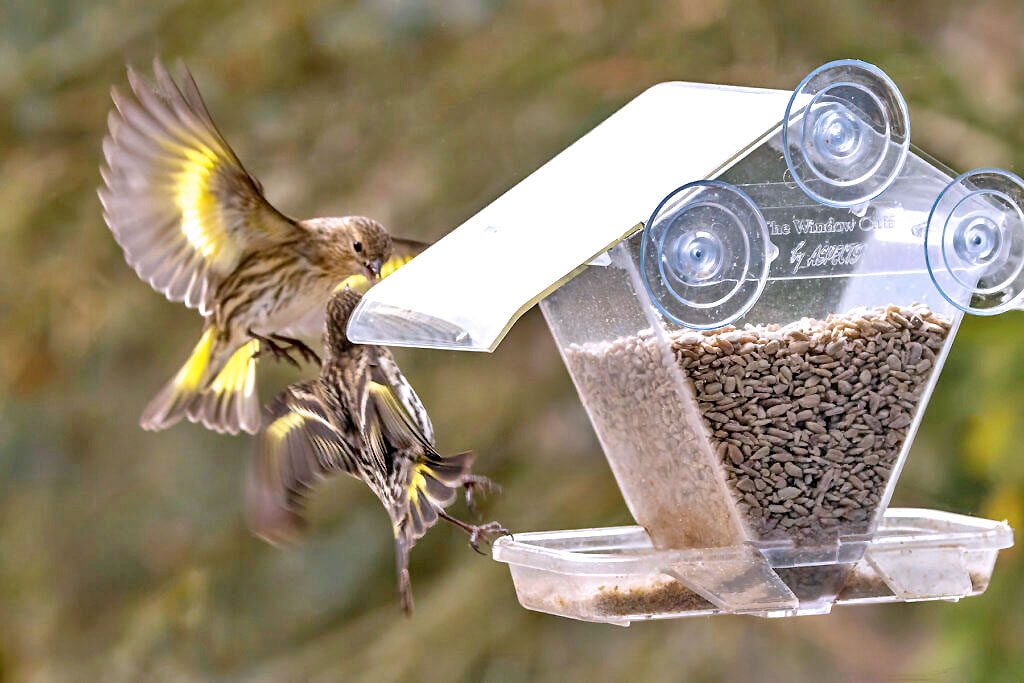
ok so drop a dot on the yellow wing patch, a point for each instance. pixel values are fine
(191, 373)
(418, 482)
(200, 221)
(239, 373)
(282, 426)
(393, 264)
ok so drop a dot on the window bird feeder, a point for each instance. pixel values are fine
(754, 311)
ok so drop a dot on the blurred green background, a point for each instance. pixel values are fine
(124, 555)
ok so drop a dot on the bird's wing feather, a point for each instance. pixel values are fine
(398, 432)
(393, 420)
(406, 395)
(392, 407)
(298, 444)
(393, 437)
(174, 194)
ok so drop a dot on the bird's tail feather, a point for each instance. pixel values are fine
(171, 404)
(229, 403)
(214, 386)
(432, 488)
(402, 548)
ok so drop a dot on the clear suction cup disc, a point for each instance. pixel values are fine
(846, 133)
(974, 242)
(705, 254)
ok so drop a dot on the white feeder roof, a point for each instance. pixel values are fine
(467, 290)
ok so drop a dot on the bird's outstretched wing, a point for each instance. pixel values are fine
(174, 194)
(296, 447)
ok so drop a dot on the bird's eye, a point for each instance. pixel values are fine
(358, 246)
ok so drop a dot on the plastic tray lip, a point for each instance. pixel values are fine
(901, 529)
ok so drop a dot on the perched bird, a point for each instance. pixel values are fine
(195, 225)
(362, 418)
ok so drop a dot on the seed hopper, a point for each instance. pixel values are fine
(754, 292)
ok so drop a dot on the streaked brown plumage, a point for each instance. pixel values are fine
(360, 417)
(195, 225)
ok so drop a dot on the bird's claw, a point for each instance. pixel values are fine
(478, 533)
(486, 533)
(308, 354)
(278, 351)
(281, 348)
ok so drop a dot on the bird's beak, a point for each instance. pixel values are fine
(374, 269)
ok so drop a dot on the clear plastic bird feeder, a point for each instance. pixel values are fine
(755, 348)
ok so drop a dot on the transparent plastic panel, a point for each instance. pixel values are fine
(738, 584)
(811, 396)
(616, 575)
(465, 292)
(639, 405)
(863, 255)
(923, 573)
(612, 598)
(806, 404)
(815, 586)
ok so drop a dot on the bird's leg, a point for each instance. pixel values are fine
(475, 486)
(308, 354)
(279, 351)
(477, 532)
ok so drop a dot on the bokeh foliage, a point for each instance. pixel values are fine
(123, 555)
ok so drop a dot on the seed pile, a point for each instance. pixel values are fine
(652, 437)
(661, 598)
(814, 583)
(809, 419)
(666, 596)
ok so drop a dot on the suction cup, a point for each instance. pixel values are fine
(705, 254)
(846, 133)
(974, 242)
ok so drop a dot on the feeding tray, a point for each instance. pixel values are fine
(754, 292)
(615, 575)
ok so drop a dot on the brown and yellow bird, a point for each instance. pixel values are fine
(362, 418)
(195, 225)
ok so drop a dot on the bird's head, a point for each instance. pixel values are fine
(357, 245)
